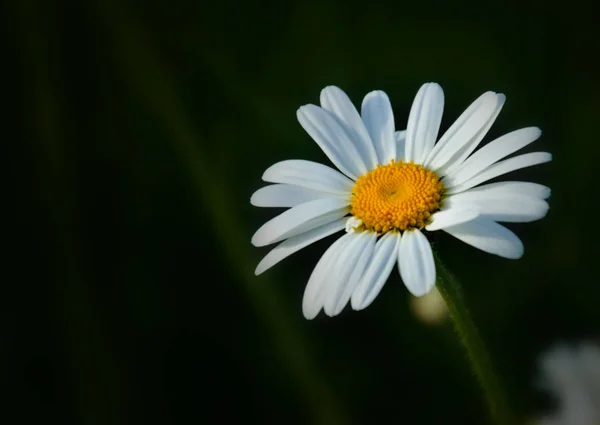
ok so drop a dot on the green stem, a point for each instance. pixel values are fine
(478, 355)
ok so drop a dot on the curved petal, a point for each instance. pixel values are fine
(310, 175)
(466, 132)
(347, 271)
(336, 101)
(331, 136)
(492, 153)
(488, 236)
(503, 190)
(378, 117)
(317, 286)
(296, 243)
(502, 167)
(415, 260)
(463, 153)
(452, 217)
(424, 122)
(377, 272)
(285, 195)
(513, 208)
(294, 218)
(400, 144)
(313, 224)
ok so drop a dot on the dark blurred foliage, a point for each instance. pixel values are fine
(135, 135)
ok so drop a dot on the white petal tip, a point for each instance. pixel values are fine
(267, 175)
(259, 239)
(424, 287)
(303, 111)
(418, 293)
(309, 315)
(375, 93)
(375, 96)
(329, 89)
(310, 309)
(358, 303)
(516, 255)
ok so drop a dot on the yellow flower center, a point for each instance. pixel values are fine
(396, 196)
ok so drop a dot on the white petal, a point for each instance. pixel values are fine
(466, 132)
(424, 122)
(347, 271)
(296, 243)
(313, 224)
(285, 195)
(503, 190)
(488, 236)
(503, 167)
(378, 117)
(415, 260)
(459, 158)
(491, 153)
(359, 270)
(512, 208)
(452, 217)
(331, 136)
(400, 144)
(336, 101)
(317, 287)
(295, 217)
(310, 175)
(377, 272)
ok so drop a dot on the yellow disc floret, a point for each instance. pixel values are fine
(396, 196)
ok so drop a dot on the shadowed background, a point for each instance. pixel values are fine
(135, 136)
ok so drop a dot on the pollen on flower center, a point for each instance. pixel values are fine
(396, 196)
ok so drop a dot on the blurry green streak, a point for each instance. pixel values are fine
(97, 386)
(251, 99)
(478, 355)
(151, 81)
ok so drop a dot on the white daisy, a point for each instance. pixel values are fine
(395, 185)
(572, 374)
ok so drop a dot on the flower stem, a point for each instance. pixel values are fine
(478, 355)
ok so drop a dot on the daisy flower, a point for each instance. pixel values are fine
(392, 187)
(572, 374)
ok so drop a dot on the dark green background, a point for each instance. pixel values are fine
(135, 135)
